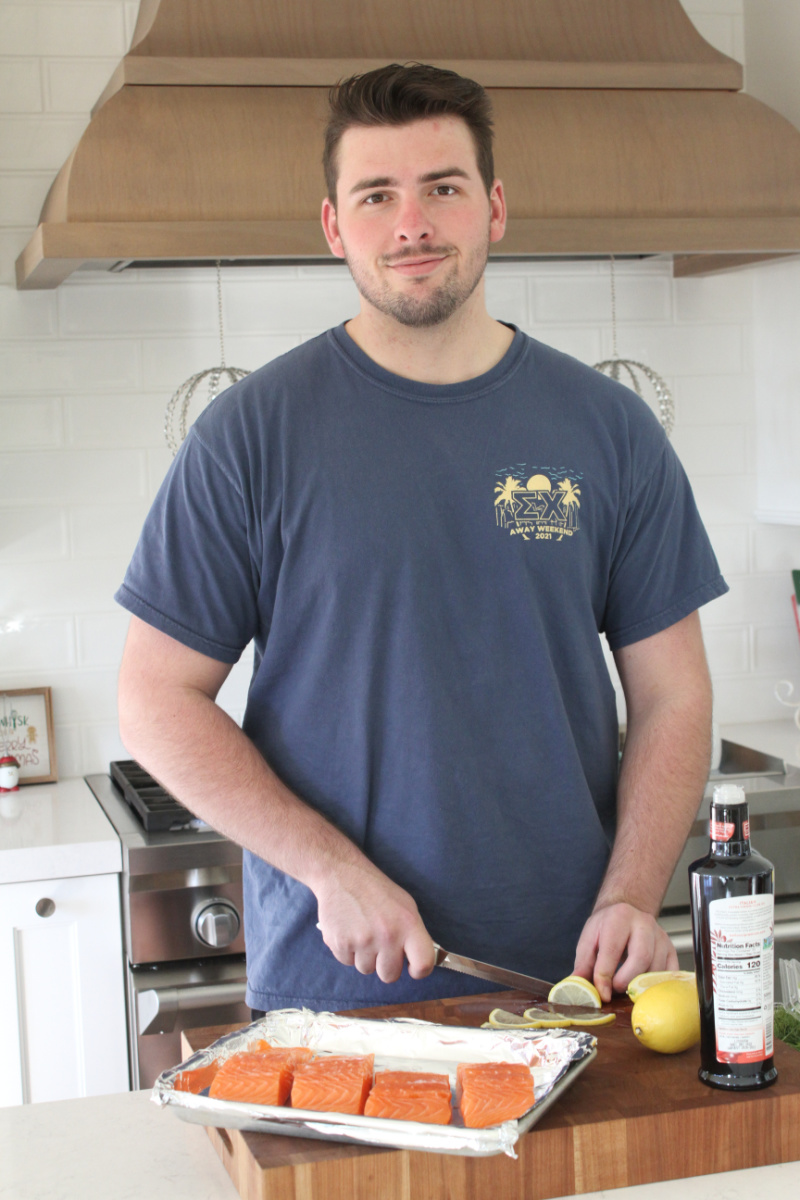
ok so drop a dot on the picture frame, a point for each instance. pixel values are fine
(26, 732)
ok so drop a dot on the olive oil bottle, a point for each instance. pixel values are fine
(732, 894)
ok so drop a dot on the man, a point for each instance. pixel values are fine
(424, 519)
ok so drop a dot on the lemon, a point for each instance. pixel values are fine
(500, 1019)
(642, 982)
(666, 1017)
(601, 1019)
(575, 990)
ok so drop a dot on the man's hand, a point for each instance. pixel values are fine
(618, 943)
(370, 923)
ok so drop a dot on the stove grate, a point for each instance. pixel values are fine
(155, 807)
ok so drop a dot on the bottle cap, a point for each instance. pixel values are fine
(728, 794)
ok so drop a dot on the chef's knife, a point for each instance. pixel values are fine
(512, 979)
(482, 970)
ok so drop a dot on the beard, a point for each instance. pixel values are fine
(431, 307)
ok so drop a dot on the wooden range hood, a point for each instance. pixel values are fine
(618, 130)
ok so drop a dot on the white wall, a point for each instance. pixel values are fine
(86, 372)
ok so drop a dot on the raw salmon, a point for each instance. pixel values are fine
(253, 1078)
(410, 1096)
(334, 1083)
(194, 1081)
(488, 1093)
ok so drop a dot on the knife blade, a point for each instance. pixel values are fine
(482, 970)
(512, 979)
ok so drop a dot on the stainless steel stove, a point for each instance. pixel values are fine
(183, 931)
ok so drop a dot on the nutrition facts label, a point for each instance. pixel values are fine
(742, 971)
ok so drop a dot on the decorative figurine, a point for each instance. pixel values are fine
(9, 774)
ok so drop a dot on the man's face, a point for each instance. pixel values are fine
(412, 218)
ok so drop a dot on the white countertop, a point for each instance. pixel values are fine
(55, 831)
(124, 1147)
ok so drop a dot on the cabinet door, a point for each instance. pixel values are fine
(62, 1002)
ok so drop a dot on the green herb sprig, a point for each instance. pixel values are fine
(787, 1027)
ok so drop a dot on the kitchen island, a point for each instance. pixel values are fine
(123, 1148)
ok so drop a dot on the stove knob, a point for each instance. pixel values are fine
(217, 924)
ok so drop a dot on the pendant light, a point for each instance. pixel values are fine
(617, 367)
(176, 419)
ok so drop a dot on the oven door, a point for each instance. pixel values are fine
(163, 999)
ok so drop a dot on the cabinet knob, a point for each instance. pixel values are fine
(217, 924)
(45, 907)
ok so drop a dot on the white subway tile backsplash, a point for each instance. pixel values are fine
(75, 477)
(62, 29)
(85, 695)
(68, 745)
(31, 533)
(100, 745)
(74, 366)
(713, 400)
(22, 196)
(712, 449)
(30, 644)
(582, 343)
(680, 349)
(776, 649)
(27, 314)
(31, 424)
(777, 548)
(727, 649)
(33, 144)
(101, 638)
(158, 462)
(724, 498)
(638, 299)
(114, 421)
(169, 362)
(724, 297)
(20, 84)
(74, 85)
(720, 29)
(749, 698)
(106, 530)
(12, 242)
(752, 599)
(507, 298)
(128, 307)
(60, 587)
(288, 305)
(732, 547)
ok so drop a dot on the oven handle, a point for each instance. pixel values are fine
(785, 931)
(158, 1008)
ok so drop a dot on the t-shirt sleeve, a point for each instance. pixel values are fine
(663, 566)
(191, 575)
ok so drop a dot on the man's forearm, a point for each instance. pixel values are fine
(662, 777)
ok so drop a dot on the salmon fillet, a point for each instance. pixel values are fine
(194, 1081)
(488, 1093)
(253, 1078)
(410, 1096)
(335, 1083)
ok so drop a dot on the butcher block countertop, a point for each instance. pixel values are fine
(632, 1117)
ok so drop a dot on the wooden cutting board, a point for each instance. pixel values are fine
(632, 1117)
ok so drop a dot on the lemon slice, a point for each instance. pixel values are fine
(602, 1018)
(642, 982)
(577, 991)
(500, 1019)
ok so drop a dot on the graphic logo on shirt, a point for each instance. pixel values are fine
(538, 503)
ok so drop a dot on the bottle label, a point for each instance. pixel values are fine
(742, 952)
(722, 831)
(746, 830)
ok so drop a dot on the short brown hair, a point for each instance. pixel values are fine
(399, 94)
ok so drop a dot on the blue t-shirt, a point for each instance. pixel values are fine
(425, 571)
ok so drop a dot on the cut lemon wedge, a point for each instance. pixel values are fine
(602, 1018)
(500, 1019)
(575, 990)
(642, 982)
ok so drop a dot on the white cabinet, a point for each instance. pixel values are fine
(62, 994)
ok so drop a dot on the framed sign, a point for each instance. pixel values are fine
(26, 732)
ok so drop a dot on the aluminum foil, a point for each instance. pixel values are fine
(557, 1056)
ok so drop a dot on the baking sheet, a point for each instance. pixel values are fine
(556, 1055)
